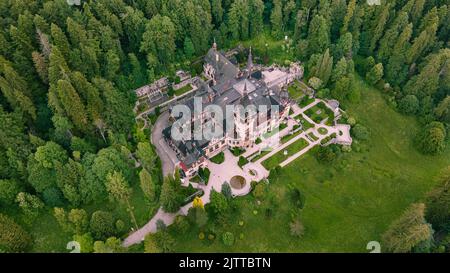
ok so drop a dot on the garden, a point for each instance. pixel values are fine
(320, 112)
(284, 154)
(387, 164)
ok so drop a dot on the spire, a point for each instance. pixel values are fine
(245, 87)
(250, 62)
(214, 44)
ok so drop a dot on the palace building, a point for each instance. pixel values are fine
(250, 88)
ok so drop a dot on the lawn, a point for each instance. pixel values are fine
(277, 51)
(305, 124)
(348, 203)
(279, 157)
(313, 136)
(218, 159)
(183, 90)
(305, 101)
(320, 112)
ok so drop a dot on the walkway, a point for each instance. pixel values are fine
(168, 157)
(217, 177)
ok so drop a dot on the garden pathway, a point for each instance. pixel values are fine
(220, 173)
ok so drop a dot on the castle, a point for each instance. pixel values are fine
(226, 85)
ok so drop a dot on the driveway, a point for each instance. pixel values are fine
(168, 157)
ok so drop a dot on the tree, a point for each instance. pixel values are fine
(375, 74)
(111, 245)
(323, 67)
(120, 191)
(318, 35)
(342, 88)
(409, 105)
(79, 220)
(360, 132)
(72, 104)
(30, 206)
(189, 49)
(348, 17)
(226, 190)
(147, 184)
(42, 165)
(13, 237)
(437, 210)
(146, 155)
(171, 198)
(102, 225)
(276, 19)
(86, 242)
(197, 216)
(409, 232)
(16, 91)
(8, 191)
(159, 242)
(118, 114)
(432, 139)
(159, 38)
(218, 203)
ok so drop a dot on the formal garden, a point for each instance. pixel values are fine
(292, 213)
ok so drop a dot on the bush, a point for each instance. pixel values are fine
(242, 161)
(8, 191)
(433, 139)
(228, 238)
(218, 159)
(102, 225)
(52, 197)
(325, 154)
(360, 132)
(409, 105)
(13, 238)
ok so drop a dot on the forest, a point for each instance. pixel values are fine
(72, 154)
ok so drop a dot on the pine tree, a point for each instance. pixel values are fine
(276, 19)
(318, 35)
(159, 39)
(72, 104)
(147, 184)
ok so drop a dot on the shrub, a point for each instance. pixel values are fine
(52, 197)
(102, 225)
(228, 238)
(242, 161)
(432, 139)
(360, 132)
(13, 238)
(409, 105)
(219, 158)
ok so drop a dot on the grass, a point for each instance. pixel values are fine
(236, 151)
(242, 161)
(320, 112)
(275, 50)
(261, 155)
(288, 137)
(183, 90)
(322, 130)
(305, 124)
(219, 158)
(348, 203)
(305, 101)
(313, 136)
(279, 157)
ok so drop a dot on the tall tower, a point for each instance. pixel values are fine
(214, 44)
(250, 63)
